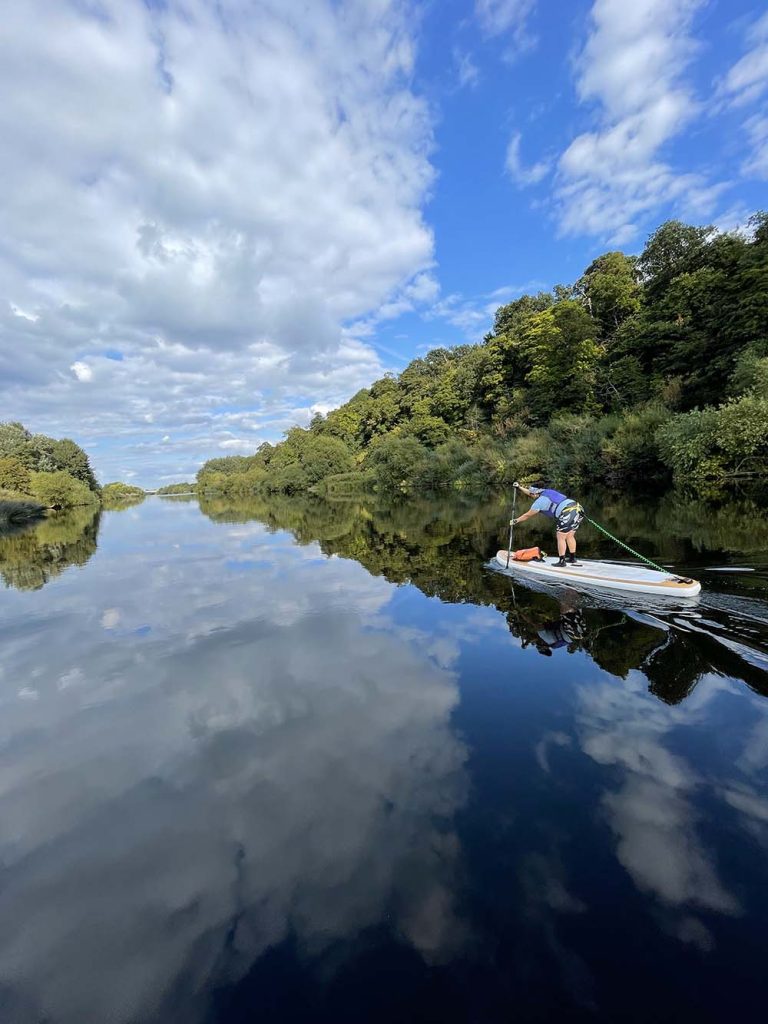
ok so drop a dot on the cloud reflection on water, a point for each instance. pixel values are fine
(278, 765)
(653, 812)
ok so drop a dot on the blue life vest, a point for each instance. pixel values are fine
(554, 498)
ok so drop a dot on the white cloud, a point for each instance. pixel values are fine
(197, 197)
(422, 290)
(747, 80)
(744, 84)
(110, 618)
(631, 67)
(756, 164)
(237, 444)
(519, 173)
(498, 17)
(473, 316)
(734, 218)
(653, 810)
(320, 408)
(466, 69)
(82, 371)
(23, 314)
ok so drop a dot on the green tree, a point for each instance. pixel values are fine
(60, 490)
(713, 304)
(509, 319)
(73, 460)
(430, 430)
(324, 456)
(346, 422)
(610, 289)
(718, 443)
(383, 408)
(750, 374)
(14, 475)
(631, 451)
(45, 454)
(182, 488)
(562, 355)
(120, 495)
(674, 248)
(16, 442)
(395, 462)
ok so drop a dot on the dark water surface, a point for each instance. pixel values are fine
(298, 762)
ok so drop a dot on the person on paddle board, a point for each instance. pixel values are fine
(567, 513)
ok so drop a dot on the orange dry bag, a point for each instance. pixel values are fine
(527, 555)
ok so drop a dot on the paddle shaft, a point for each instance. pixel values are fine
(511, 526)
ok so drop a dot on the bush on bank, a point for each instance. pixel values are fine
(60, 490)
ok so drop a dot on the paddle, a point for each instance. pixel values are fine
(511, 523)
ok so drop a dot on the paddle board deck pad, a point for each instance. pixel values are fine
(604, 574)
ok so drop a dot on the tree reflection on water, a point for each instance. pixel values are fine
(38, 552)
(443, 549)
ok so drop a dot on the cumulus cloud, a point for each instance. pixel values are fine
(632, 68)
(82, 371)
(519, 172)
(201, 195)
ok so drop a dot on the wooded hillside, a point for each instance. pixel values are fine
(645, 368)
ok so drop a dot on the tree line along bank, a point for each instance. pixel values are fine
(37, 471)
(647, 369)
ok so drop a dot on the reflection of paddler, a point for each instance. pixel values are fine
(568, 629)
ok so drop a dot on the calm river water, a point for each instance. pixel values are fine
(292, 762)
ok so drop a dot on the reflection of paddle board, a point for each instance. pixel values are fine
(635, 578)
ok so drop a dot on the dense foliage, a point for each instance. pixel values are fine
(42, 454)
(120, 495)
(61, 490)
(56, 473)
(646, 368)
(184, 488)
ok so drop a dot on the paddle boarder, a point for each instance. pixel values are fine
(567, 513)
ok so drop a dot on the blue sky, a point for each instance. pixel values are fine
(219, 218)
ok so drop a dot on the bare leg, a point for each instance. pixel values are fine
(570, 540)
(561, 542)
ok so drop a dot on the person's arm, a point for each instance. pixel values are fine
(526, 515)
(525, 490)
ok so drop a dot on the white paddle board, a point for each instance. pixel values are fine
(604, 574)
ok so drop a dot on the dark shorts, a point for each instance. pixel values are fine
(570, 519)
